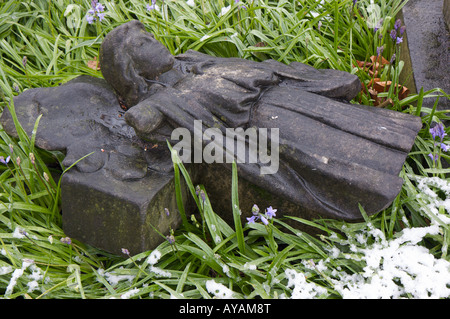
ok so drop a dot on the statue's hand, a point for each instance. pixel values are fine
(76, 153)
(144, 118)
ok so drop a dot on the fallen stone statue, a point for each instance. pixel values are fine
(300, 146)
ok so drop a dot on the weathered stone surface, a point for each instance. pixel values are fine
(112, 198)
(333, 155)
(426, 49)
(105, 212)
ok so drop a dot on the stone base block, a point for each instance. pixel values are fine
(99, 210)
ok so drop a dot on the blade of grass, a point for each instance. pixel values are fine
(236, 210)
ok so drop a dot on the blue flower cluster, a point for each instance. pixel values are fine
(96, 12)
(270, 213)
(397, 32)
(438, 133)
(5, 161)
(152, 6)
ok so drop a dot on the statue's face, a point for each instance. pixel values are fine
(150, 58)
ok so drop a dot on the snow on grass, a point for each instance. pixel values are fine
(129, 293)
(436, 207)
(396, 268)
(301, 288)
(218, 290)
(402, 267)
(16, 275)
(154, 257)
(114, 278)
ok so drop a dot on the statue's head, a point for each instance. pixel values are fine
(129, 57)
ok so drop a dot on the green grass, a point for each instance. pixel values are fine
(242, 260)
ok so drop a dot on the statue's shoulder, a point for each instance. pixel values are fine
(194, 56)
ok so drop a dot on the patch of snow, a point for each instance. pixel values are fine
(218, 290)
(18, 233)
(32, 286)
(160, 272)
(5, 270)
(16, 275)
(427, 186)
(397, 268)
(129, 293)
(249, 266)
(301, 288)
(35, 276)
(154, 257)
(114, 279)
(224, 11)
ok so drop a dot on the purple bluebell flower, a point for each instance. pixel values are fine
(203, 196)
(100, 16)
(378, 25)
(354, 2)
(170, 239)
(393, 59)
(66, 240)
(264, 220)
(270, 212)
(152, 6)
(90, 19)
(393, 35)
(255, 210)
(252, 219)
(438, 131)
(445, 147)
(166, 210)
(99, 7)
(96, 12)
(5, 161)
(397, 32)
(433, 157)
(380, 51)
(241, 7)
(125, 251)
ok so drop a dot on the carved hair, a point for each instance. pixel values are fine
(126, 64)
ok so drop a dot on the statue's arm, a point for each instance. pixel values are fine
(145, 118)
(327, 82)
